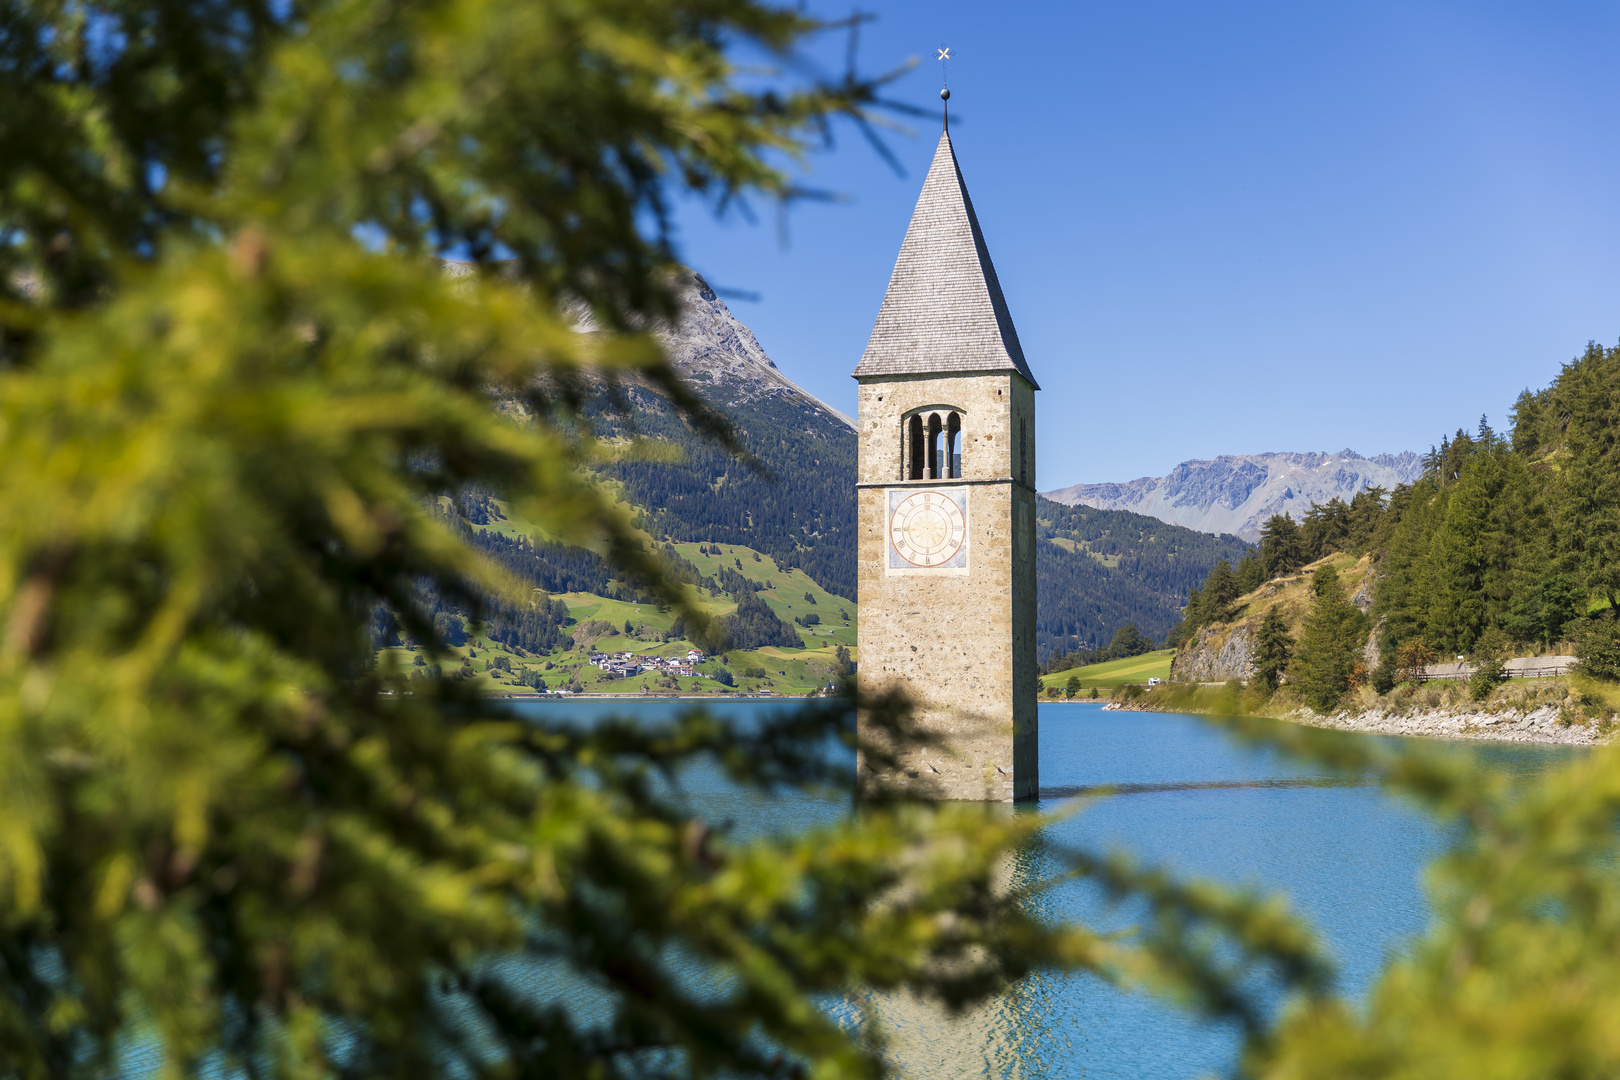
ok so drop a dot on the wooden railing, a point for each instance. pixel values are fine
(1529, 667)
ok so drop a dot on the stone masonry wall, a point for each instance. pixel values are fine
(961, 645)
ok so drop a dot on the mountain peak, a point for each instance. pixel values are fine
(720, 358)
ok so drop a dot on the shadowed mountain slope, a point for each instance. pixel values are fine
(803, 513)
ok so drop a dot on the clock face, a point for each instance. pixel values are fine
(927, 528)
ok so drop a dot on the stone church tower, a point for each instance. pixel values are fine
(947, 504)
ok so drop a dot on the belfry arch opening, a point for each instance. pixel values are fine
(932, 444)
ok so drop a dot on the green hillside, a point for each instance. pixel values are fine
(611, 615)
(799, 509)
(1112, 673)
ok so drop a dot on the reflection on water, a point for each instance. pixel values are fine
(1039, 1020)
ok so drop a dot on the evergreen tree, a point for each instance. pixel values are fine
(1330, 645)
(1366, 516)
(1540, 611)
(1401, 603)
(754, 625)
(1249, 575)
(1326, 529)
(1072, 687)
(1444, 464)
(238, 385)
(1196, 615)
(1461, 555)
(1273, 647)
(1589, 485)
(1325, 583)
(1128, 642)
(1529, 413)
(1281, 550)
(1221, 587)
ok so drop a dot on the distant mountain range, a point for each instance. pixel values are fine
(1236, 493)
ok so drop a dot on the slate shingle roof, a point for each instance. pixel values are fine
(944, 310)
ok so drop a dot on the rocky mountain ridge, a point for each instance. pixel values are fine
(1236, 493)
(720, 358)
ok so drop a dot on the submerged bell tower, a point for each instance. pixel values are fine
(947, 506)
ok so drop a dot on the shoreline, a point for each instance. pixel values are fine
(1508, 725)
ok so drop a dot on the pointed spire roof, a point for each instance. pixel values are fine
(944, 311)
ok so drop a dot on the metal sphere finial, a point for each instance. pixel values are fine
(944, 93)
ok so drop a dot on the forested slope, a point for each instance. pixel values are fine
(1099, 570)
(1507, 542)
(800, 509)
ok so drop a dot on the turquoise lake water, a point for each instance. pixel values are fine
(1348, 856)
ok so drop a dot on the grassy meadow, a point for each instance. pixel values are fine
(791, 594)
(1112, 673)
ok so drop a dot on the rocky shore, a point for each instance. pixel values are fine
(1542, 725)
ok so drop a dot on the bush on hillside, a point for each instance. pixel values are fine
(1488, 675)
(1597, 645)
(1412, 659)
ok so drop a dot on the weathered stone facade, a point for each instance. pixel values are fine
(958, 637)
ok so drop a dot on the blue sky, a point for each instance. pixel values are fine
(1229, 228)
